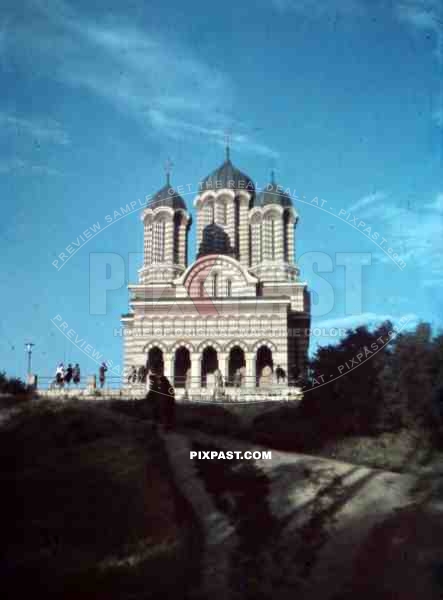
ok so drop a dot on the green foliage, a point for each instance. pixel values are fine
(408, 381)
(83, 492)
(345, 393)
(13, 386)
(383, 386)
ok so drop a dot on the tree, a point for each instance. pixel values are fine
(345, 392)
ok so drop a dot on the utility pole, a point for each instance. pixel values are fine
(28, 348)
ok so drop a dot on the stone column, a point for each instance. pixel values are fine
(279, 240)
(196, 360)
(168, 366)
(223, 364)
(92, 384)
(250, 370)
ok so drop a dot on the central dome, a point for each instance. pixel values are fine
(227, 176)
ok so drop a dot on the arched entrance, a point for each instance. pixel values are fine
(263, 359)
(155, 359)
(209, 363)
(182, 363)
(236, 361)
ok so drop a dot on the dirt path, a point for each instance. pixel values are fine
(295, 523)
(220, 537)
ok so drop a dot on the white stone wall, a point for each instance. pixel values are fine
(249, 327)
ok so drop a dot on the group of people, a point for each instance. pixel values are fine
(137, 375)
(66, 375)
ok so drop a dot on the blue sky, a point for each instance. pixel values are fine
(344, 99)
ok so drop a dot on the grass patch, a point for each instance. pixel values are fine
(89, 508)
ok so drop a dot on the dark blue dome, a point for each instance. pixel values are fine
(227, 176)
(273, 194)
(167, 196)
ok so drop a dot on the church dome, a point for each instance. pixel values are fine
(215, 241)
(167, 196)
(227, 176)
(273, 194)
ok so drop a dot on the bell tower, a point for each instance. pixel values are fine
(272, 222)
(166, 223)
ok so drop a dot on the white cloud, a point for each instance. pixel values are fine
(43, 130)
(315, 9)
(368, 200)
(18, 166)
(424, 15)
(368, 318)
(144, 74)
(416, 236)
(437, 117)
(437, 204)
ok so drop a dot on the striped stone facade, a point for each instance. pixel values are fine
(241, 307)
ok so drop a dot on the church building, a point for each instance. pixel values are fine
(239, 307)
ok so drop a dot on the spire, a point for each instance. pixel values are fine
(228, 145)
(273, 177)
(168, 168)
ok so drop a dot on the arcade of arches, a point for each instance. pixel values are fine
(188, 368)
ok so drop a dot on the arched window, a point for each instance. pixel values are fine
(158, 255)
(201, 288)
(214, 285)
(228, 288)
(209, 212)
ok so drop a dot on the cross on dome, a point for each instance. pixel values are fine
(168, 169)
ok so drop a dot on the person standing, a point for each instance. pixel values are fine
(76, 374)
(141, 375)
(68, 375)
(132, 375)
(280, 373)
(102, 374)
(60, 375)
(167, 404)
(161, 396)
(153, 395)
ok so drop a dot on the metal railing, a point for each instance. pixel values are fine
(196, 389)
(115, 382)
(46, 383)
